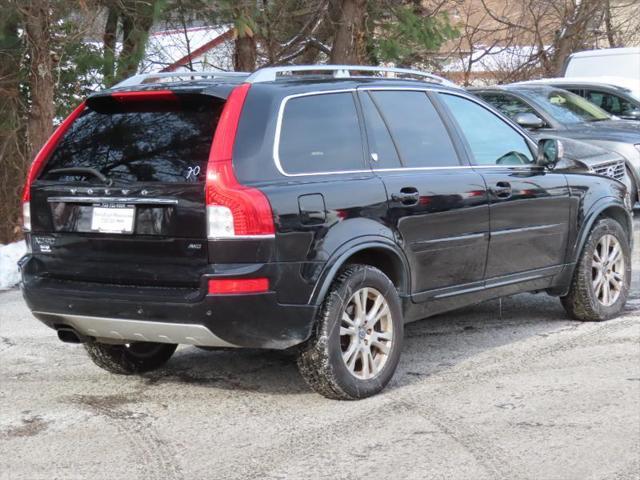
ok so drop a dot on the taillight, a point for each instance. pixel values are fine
(233, 210)
(40, 160)
(227, 286)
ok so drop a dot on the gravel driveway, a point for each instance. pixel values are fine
(525, 395)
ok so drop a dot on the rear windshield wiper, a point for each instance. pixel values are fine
(80, 171)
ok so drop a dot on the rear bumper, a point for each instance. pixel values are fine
(167, 315)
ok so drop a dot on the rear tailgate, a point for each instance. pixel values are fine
(121, 199)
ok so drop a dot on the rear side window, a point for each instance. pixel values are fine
(611, 103)
(320, 133)
(140, 142)
(420, 135)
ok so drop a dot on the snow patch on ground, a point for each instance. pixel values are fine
(9, 256)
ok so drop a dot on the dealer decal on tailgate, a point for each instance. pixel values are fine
(113, 218)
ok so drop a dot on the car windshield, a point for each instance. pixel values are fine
(566, 107)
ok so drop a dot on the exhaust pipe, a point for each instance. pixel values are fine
(69, 335)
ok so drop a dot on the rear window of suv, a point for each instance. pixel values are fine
(320, 133)
(165, 142)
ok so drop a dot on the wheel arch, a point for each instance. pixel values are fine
(376, 252)
(608, 207)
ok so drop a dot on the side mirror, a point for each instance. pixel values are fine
(529, 120)
(550, 152)
(633, 114)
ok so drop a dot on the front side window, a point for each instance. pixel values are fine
(320, 133)
(506, 104)
(492, 141)
(418, 131)
(567, 107)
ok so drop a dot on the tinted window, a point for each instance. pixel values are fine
(492, 141)
(145, 143)
(507, 105)
(380, 141)
(320, 133)
(611, 103)
(417, 129)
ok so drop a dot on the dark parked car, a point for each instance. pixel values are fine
(617, 96)
(542, 110)
(325, 212)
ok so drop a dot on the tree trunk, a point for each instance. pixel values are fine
(109, 42)
(40, 76)
(13, 161)
(608, 25)
(349, 46)
(245, 53)
(137, 20)
(572, 33)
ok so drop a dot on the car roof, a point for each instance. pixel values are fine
(616, 83)
(515, 87)
(605, 52)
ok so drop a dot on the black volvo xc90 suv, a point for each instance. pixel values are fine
(309, 208)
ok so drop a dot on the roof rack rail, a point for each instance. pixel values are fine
(270, 74)
(143, 77)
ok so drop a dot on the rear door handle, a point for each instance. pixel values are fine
(502, 190)
(407, 196)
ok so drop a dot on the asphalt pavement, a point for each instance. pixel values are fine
(514, 393)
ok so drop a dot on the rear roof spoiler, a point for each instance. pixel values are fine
(152, 77)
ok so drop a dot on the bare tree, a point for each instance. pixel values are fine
(479, 40)
(554, 29)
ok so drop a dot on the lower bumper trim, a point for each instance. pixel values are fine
(138, 330)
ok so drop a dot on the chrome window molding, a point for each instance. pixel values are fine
(283, 103)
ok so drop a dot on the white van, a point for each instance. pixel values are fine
(618, 62)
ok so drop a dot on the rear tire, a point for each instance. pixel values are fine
(602, 276)
(356, 347)
(136, 357)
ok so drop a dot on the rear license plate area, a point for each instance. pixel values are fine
(113, 218)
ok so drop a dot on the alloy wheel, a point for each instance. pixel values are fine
(366, 333)
(607, 270)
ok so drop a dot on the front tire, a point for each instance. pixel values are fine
(356, 347)
(129, 359)
(602, 276)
